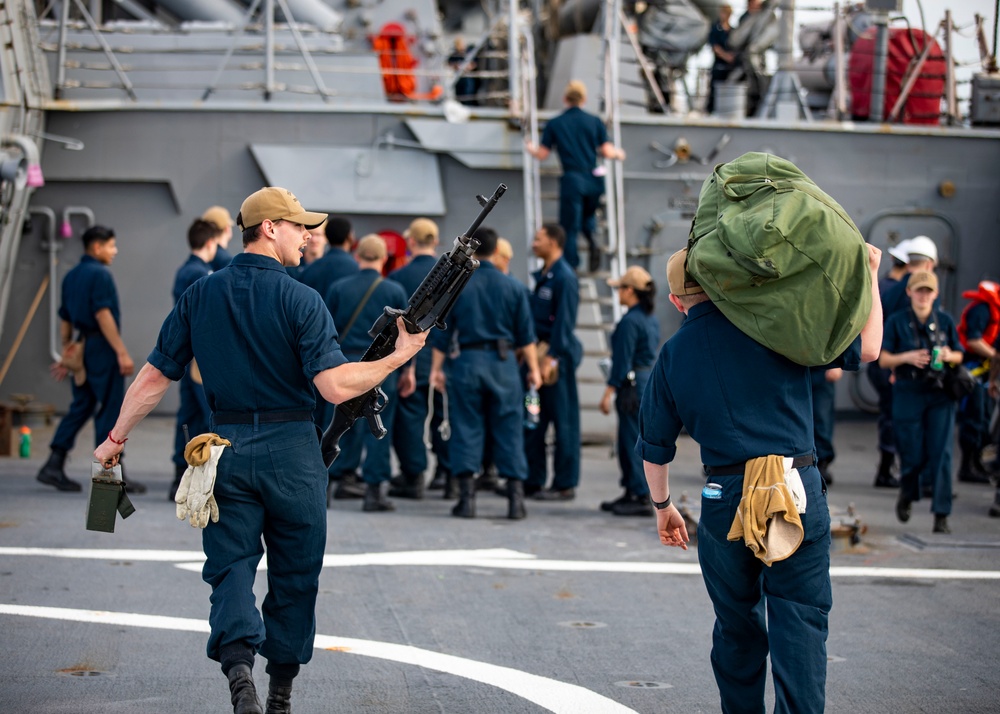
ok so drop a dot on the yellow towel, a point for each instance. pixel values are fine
(767, 518)
(199, 449)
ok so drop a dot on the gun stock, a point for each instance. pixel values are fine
(428, 307)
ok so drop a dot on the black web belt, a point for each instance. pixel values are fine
(799, 462)
(260, 417)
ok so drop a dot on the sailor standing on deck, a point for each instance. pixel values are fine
(554, 305)
(263, 342)
(356, 302)
(411, 410)
(491, 319)
(740, 401)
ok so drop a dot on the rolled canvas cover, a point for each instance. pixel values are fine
(782, 260)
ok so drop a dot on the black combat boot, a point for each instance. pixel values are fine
(440, 477)
(609, 506)
(941, 524)
(466, 506)
(52, 474)
(488, 480)
(375, 502)
(515, 499)
(884, 477)
(178, 475)
(450, 487)
(967, 472)
(407, 486)
(634, 506)
(349, 486)
(279, 696)
(242, 691)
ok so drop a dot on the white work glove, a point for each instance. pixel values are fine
(195, 498)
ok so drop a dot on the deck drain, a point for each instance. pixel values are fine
(583, 625)
(638, 684)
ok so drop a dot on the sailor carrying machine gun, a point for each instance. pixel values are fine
(428, 307)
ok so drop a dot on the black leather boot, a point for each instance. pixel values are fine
(466, 506)
(242, 691)
(450, 487)
(407, 486)
(609, 506)
(375, 502)
(941, 524)
(440, 477)
(52, 474)
(488, 480)
(178, 475)
(515, 499)
(279, 696)
(884, 477)
(967, 472)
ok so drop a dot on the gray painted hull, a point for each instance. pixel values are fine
(149, 173)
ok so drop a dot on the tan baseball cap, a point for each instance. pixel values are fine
(372, 247)
(681, 283)
(273, 204)
(219, 216)
(423, 230)
(923, 279)
(634, 277)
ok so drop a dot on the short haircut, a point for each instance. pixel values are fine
(97, 234)
(338, 230)
(556, 233)
(576, 93)
(201, 232)
(251, 234)
(487, 238)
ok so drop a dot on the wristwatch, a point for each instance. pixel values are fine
(660, 505)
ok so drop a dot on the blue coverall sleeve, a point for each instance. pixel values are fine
(173, 351)
(524, 325)
(623, 346)
(659, 422)
(103, 293)
(562, 342)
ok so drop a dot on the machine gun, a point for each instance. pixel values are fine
(428, 307)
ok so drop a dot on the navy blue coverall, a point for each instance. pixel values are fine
(554, 304)
(411, 411)
(342, 299)
(260, 338)
(879, 376)
(193, 411)
(324, 272)
(577, 135)
(491, 319)
(739, 401)
(633, 349)
(823, 396)
(922, 415)
(87, 289)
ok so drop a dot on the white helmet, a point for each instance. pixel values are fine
(921, 245)
(901, 251)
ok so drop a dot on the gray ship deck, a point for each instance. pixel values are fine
(561, 612)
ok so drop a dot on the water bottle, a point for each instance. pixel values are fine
(532, 408)
(25, 443)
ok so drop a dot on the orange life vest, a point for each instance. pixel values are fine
(987, 292)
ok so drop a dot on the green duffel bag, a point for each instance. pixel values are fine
(782, 260)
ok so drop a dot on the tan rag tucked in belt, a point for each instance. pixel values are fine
(768, 517)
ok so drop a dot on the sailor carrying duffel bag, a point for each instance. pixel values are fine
(781, 259)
